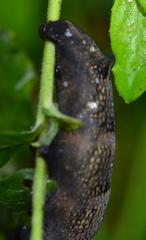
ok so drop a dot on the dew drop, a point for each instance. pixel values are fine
(57, 68)
(58, 72)
(93, 106)
(65, 84)
(68, 33)
(97, 80)
(84, 42)
(111, 165)
(92, 49)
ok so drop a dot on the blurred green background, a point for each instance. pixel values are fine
(20, 62)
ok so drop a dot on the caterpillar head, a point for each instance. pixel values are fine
(55, 30)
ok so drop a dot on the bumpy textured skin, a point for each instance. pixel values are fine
(81, 162)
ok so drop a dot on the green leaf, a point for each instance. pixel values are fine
(142, 5)
(17, 138)
(13, 219)
(56, 117)
(69, 123)
(10, 143)
(16, 190)
(7, 154)
(18, 78)
(128, 32)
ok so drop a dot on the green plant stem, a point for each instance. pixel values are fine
(46, 90)
(45, 100)
(38, 199)
(47, 77)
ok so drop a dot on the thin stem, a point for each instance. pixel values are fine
(54, 9)
(45, 100)
(46, 90)
(38, 199)
(47, 77)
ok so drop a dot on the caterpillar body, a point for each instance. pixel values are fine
(81, 162)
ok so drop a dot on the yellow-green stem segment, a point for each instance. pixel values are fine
(38, 199)
(47, 77)
(45, 100)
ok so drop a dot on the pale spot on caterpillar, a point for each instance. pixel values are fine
(68, 33)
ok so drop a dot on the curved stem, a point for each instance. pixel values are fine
(45, 100)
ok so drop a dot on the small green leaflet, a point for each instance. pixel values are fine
(14, 138)
(128, 40)
(15, 191)
(10, 143)
(7, 153)
(56, 118)
(71, 124)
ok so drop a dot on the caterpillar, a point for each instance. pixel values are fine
(81, 162)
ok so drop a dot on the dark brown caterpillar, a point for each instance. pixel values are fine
(81, 162)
